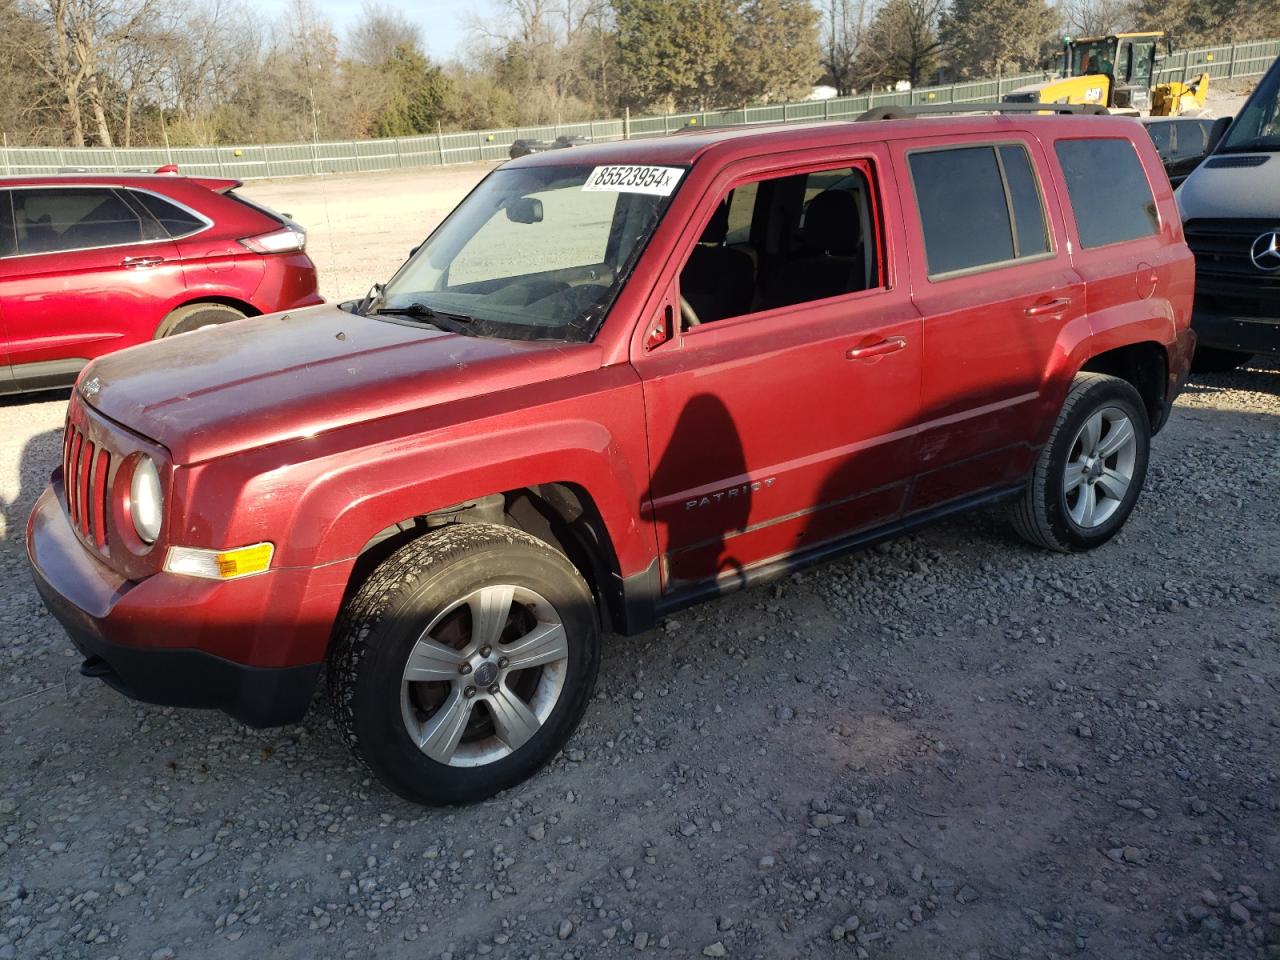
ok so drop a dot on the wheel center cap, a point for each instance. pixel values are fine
(486, 673)
(1094, 468)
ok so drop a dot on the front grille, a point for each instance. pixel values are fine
(1226, 279)
(86, 468)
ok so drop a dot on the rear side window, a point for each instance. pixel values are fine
(979, 206)
(1109, 191)
(176, 221)
(73, 218)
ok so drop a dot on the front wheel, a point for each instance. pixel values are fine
(1088, 476)
(464, 662)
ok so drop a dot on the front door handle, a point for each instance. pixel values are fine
(133, 263)
(891, 345)
(1048, 308)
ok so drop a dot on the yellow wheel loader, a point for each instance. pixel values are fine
(1116, 72)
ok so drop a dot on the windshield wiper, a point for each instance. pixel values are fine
(450, 322)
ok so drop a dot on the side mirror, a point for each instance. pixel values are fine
(525, 210)
(415, 250)
(1216, 133)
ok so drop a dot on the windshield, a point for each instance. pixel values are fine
(1094, 57)
(535, 253)
(1258, 125)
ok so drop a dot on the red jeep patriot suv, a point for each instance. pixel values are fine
(615, 381)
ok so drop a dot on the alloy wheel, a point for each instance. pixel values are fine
(484, 676)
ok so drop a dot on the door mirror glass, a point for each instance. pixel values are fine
(525, 210)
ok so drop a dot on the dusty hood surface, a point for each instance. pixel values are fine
(1246, 193)
(278, 377)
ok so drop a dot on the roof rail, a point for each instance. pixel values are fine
(900, 112)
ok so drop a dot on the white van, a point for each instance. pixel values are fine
(1230, 209)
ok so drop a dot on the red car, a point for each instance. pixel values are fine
(616, 381)
(92, 264)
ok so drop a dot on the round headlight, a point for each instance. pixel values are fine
(146, 502)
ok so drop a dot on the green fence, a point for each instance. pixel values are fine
(253, 162)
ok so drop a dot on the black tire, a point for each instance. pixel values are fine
(197, 315)
(1044, 514)
(1216, 360)
(418, 585)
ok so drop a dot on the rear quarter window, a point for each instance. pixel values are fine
(177, 221)
(1109, 191)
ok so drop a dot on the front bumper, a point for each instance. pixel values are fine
(154, 640)
(1243, 334)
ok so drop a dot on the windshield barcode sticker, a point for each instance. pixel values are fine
(659, 181)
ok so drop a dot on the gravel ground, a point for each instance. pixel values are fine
(951, 746)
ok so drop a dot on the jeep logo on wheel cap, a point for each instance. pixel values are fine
(1265, 252)
(486, 674)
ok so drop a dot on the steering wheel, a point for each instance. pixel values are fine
(688, 316)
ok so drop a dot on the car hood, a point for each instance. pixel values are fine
(1246, 193)
(283, 376)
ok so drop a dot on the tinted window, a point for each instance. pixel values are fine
(1109, 191)
(8, 242)
(962, 208)
(1192, 139)
(1030, 229)
(1162, 137)
(176, 221)
(73, 218)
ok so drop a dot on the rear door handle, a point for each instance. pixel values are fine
(891, 345)
(133, 263)
(1048, 308)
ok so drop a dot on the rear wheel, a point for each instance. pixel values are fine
(1090, 473)
(1215, 360)
(197, 316)
(464, 662)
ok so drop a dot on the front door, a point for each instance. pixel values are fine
(90, 275)
(781, 414)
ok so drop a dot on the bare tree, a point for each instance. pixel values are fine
(902, 42)
(1096, 18)
(79, 34)
(844, 29)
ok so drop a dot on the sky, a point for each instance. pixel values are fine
(443, 22)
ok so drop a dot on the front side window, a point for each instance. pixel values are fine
(73, 218)
(980, 207)
(535, 252)
(784, 241)
(1109, 191)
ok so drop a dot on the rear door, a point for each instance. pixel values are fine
(91, 274)
(996, 287)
